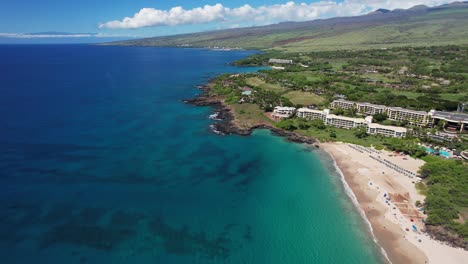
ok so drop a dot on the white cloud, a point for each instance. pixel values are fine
(290, 11)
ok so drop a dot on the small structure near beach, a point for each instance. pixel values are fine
(280, 61)
(282, 112)
(464, 154)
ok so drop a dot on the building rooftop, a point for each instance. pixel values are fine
(280, 61)
(450, 116)
(407, 110)
(357, 120)
(344, 101)
(372, 105)
(304, 109)
(284, 108)
(394, 128)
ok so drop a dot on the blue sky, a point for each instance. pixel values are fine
(144, 18)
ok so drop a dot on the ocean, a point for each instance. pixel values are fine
(102, 162)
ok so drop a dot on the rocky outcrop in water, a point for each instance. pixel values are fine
(227, 125)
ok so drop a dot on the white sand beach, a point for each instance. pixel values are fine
(387, 196)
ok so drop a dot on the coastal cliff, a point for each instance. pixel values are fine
(227, 119)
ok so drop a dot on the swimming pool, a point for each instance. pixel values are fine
(441, 152)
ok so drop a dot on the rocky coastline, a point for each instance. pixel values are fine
(227, 126)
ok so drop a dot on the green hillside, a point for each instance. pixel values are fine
(420, 26)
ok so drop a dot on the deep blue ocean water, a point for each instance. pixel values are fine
(102, 162)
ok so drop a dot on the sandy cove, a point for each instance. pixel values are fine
(370, 180)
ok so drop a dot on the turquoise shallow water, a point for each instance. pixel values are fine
(101, 162)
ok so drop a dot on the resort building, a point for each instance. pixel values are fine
(312, 114)
(343, 104)
(280, 61)
(387, 131)
(332, 120)
(284, 112)
(349, 123)
(344, 122)
(453, 121)
(370, 109)
(418, 118)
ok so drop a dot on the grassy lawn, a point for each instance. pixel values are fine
(248, 115)
(310, 75)
(341, 84)
(408, 94)
(257, 82)
(379, 76)
(337, 65)
(303, 98)
(413, 95)
(410, 32)
(454, 97)
(343, 135)
(431, 158)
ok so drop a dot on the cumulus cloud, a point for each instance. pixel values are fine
(290, 11)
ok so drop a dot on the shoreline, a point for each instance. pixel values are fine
(354, 200)
(390, 223)
(388, 228)
(360, 201)
(227, 122)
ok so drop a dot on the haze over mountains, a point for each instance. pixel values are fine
(419, 25)
(56, 37)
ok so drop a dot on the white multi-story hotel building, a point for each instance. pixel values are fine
(349, 123)
(343, 104)
(418, 118)
(387, 131)
(370, 109)
(330, 119)
(312, 114)
(284, 112)
(344, 122)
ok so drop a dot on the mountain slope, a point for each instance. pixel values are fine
(420, 25)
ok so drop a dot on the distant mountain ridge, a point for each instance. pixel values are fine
(419, 25)
(380, 11)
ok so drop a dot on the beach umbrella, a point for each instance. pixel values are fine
(415, 228)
